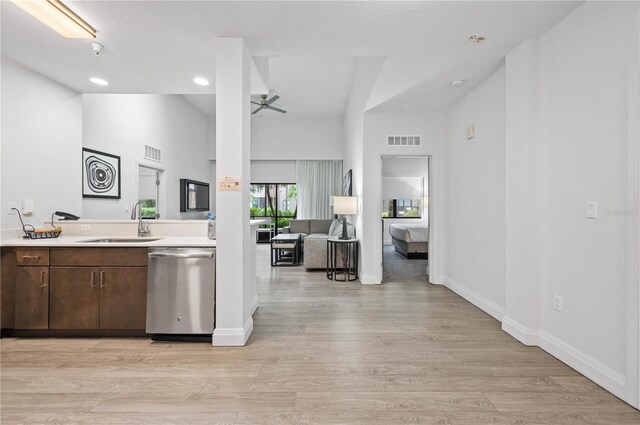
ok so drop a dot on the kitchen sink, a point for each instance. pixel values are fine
(120, 240)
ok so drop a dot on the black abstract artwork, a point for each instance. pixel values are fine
(100, 175)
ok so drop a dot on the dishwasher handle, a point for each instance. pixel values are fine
(182, 255)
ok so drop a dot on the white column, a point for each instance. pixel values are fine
(233, 233)
(522, 291)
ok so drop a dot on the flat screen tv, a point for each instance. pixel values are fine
(194, 195)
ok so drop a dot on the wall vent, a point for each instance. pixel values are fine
(152, 153)
(403, 141)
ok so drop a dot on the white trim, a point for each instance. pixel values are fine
(255, 303)
(233, 337)
(524, 334)
(474, 298)
(601, 374)
(435, 206)
(162, 195)
(633, 247)
(370, 279)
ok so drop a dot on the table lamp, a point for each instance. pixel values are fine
(345, 205)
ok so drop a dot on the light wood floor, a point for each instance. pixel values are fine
(321, 353)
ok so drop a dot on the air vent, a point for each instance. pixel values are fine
(403, 141)
(152, 153)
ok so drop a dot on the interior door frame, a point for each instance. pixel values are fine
(434, 221)
(633, 243)
(162, 192)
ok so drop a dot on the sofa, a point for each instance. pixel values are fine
(315, 233)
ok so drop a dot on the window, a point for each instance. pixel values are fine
(275, 200)
(401, 208)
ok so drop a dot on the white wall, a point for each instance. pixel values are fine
(273, 171)
(572, 123)
(364, 78)
(377, 126)
(41, 145)
(474, 184)
(584, 78)
(290, 138)
(121, 124)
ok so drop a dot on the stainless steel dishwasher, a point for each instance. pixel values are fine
(181, 292)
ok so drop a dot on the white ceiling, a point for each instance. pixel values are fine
(158, 47)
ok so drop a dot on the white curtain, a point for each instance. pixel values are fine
(317, 182)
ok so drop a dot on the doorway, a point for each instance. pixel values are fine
(405, 218)
(148, 191)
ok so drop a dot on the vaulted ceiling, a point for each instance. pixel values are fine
(159, 46)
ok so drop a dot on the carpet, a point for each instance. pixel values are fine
(400, 269)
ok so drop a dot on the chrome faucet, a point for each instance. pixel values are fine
(143, 228)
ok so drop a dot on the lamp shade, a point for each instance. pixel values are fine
(345, 205)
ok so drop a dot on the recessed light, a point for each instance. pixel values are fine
(99, 81)
(456, 83)
(201, 81)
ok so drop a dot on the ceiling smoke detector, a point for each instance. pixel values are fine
(476, 38)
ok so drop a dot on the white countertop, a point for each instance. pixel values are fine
(77, 241)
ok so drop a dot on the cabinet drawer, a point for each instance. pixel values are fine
(122, 257)
(32, 256)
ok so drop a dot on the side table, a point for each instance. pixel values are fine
(285, 243)
(342, 259)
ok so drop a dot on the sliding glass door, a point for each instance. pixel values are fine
(277, 201)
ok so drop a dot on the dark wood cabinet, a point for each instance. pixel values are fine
(123, 297)
(89, 290)
(32, 298)
(32, 256)
(99, 257)
(8, 288)
(98, 298)
(75, 298)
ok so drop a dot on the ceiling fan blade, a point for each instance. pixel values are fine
(259, 109)
(256, 103)
(273, 108)
(273, 99)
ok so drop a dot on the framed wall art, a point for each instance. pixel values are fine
(346, 184)
(100, 175)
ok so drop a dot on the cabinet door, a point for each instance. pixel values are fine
(32, 298)
(75, 298)
(123, 297)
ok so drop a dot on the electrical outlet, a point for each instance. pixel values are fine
(12, 205)
(557, 302)
(86, 227)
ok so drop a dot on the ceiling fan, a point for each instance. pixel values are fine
(266, 104)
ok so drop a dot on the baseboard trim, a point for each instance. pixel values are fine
(474, 298)
(599, 373)
(370, 279)
(233, 337)
(255, 304)
(525, 335)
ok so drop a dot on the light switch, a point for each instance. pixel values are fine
(591, 209)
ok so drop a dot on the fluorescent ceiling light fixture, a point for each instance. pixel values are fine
(201, 81)
(99, 81)
(58, 17)
(456, 83)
